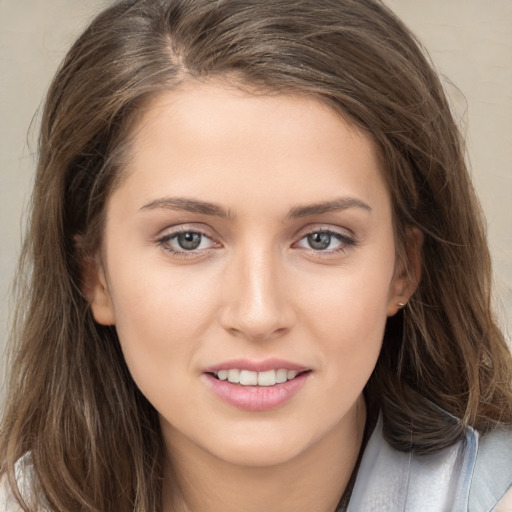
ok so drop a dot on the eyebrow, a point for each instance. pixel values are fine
(342, 203)
(297, 212)
(188, 205)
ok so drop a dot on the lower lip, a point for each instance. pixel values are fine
(256, 398)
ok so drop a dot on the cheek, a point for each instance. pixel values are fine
(347, 315)
(161, 318)
(352, 338)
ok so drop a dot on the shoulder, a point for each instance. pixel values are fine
(492, 474)
(25, 481)
(474, 475)
(7, 501)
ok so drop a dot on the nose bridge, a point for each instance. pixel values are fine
(256, 303)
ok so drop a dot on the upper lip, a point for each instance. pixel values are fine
(256, 366)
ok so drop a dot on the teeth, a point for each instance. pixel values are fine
(250, 378)
(234, 376)
(281, 376)
(267, 378)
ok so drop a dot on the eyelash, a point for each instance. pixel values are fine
(345, 240)
(164, 241)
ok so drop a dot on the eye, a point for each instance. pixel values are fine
(182, 242)
(319, 241)
(325, 240)
(189, 241)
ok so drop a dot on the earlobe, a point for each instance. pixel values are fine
(408, 276)
(95, 289)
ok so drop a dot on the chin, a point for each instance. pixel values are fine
(263, 452)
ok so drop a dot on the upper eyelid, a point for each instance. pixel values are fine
(170, 231)
(336, 230)
(343, 238)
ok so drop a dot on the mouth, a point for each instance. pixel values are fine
(256, 386)
(266, 378)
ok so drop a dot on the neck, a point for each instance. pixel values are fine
(313, 481)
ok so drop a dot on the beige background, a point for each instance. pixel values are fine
(470, 41)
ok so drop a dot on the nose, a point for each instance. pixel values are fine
(256, 304)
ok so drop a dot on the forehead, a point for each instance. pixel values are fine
(205, 138)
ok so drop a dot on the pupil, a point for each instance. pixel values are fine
(319, 241)
(189, 241)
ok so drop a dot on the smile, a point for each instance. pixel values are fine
(253, 378)
(256, 386)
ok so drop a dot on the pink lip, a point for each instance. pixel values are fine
(256, 398)
(256, 366)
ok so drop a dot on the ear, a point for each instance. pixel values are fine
(408, 273)
(95, 288)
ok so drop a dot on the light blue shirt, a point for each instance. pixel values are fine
(470, 476)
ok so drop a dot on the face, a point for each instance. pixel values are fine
(248, 265)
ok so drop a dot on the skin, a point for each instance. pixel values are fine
(255, 288)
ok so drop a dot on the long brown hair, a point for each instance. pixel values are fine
(93, 438)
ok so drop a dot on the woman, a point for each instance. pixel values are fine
(256, 276)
